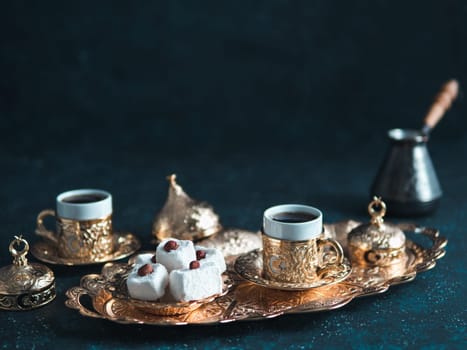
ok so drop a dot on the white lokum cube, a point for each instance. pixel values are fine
(175, 254)
(211, 255)
(145, 258)
(195, 284)
(150, 286)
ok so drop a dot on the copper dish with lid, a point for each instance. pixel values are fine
(23, 285)
(376, 243)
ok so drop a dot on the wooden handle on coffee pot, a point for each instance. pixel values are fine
(441, 104)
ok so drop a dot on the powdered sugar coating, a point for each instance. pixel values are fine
(145, 258)
(149, 287)
(213, 256)
(188, 285)
(179, 258)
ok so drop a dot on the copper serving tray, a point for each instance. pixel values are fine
(248, 301)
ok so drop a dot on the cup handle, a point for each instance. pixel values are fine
(41, 230)
(325, 269)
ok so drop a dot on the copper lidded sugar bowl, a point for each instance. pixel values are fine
(23, 285)
(183, 217)
(376, 243)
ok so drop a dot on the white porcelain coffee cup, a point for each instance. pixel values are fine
(307, 225)
(85, 204)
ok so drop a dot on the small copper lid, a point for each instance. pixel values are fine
(376, 243)
(25, 286)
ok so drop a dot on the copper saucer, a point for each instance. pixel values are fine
(125, 244)
(250, 267)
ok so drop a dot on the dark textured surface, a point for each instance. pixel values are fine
(252, 104)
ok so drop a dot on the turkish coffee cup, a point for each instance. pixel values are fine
(293, 248)
(83, 224)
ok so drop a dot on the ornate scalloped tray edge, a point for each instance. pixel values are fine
(247, 301)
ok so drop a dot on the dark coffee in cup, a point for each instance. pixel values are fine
(294, 217)
(84, 198)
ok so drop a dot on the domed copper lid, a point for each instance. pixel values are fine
(25, 286)
(183, 217)
(376, 243)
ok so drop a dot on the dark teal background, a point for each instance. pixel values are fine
(251, 103)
